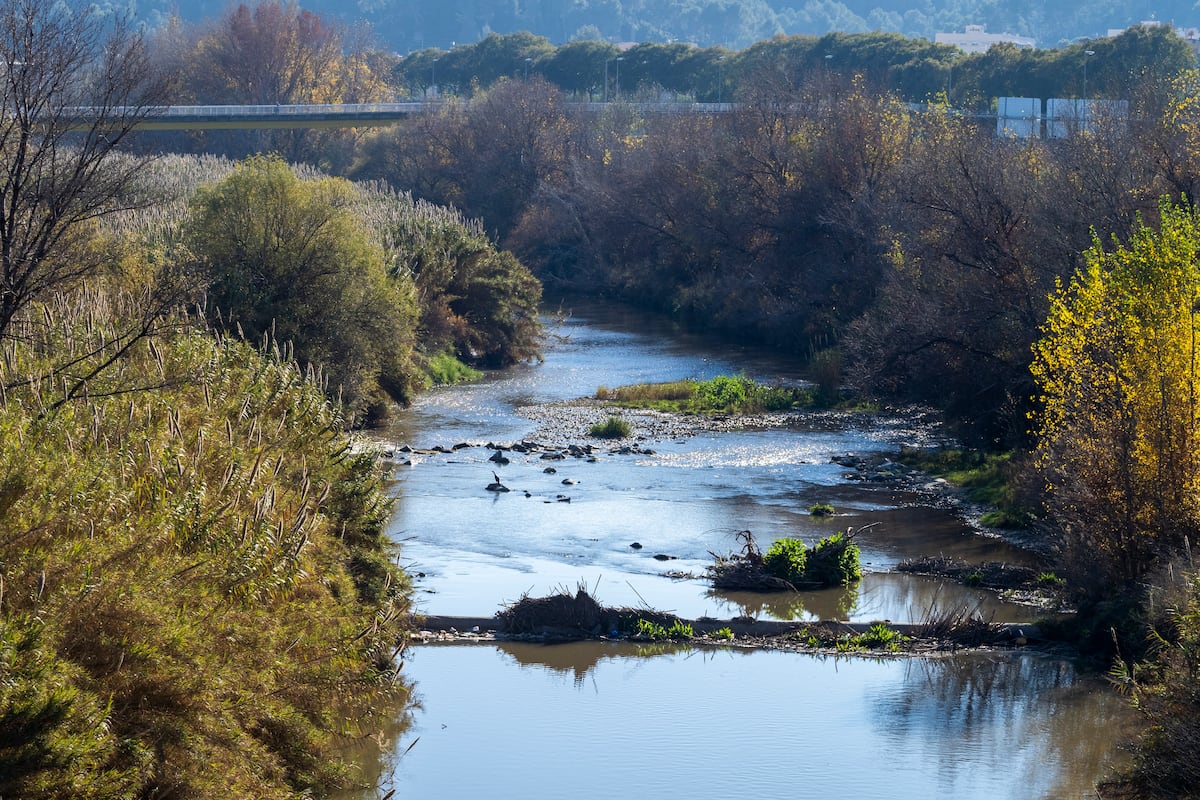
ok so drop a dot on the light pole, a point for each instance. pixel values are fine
(617, 82)
(527, 61)
(606, 63)
(1086, 53)
(433, 77)
(1083, 114)
(720, 77)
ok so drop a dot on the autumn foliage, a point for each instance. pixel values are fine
(1118, 376)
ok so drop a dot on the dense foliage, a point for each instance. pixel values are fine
(912, 253)
(289, 258)
(1118, 379)
(917, 70)
(420, 289)
(177, 508)
(832, 561)
(169, 537)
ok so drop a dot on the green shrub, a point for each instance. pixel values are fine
(611, 428)
(879, 636)
(820, 510)
(787, 559)
(289, 258)
(680, 630)
(723, 633)
(776, 398)
(834, 561)
(723, 393)
(444, 369)
(652, 630)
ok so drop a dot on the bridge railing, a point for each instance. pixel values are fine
(277, 109)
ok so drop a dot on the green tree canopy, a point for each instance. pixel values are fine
(289, 258)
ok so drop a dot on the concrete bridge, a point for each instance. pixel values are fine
(344, 115)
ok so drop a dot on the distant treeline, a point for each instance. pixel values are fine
(917, 70)
(406, 25)
(275, 53)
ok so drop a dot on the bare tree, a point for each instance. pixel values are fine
(73, 85)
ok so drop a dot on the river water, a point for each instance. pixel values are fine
(598, 719)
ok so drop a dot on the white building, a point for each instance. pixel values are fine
(978, 40)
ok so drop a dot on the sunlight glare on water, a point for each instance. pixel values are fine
(685, 501)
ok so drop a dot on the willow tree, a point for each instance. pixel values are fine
(1118, 379)
(290, 259)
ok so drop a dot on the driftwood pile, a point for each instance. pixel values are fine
(990, 574)
(533, 615)
(744, 571)
(573, 615)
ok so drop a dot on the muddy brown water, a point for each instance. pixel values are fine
(595, 719)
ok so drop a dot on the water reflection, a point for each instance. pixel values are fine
(579, 659)
(836, 603)
(1004, 709)
(595, 719)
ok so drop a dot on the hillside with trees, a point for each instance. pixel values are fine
(406, 25)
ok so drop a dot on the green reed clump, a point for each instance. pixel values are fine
(444, 369)
(787, 559)
(789, 564)
(611, 428)
(834, 561)
(879, 636)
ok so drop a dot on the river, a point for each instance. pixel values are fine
(596, 719)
